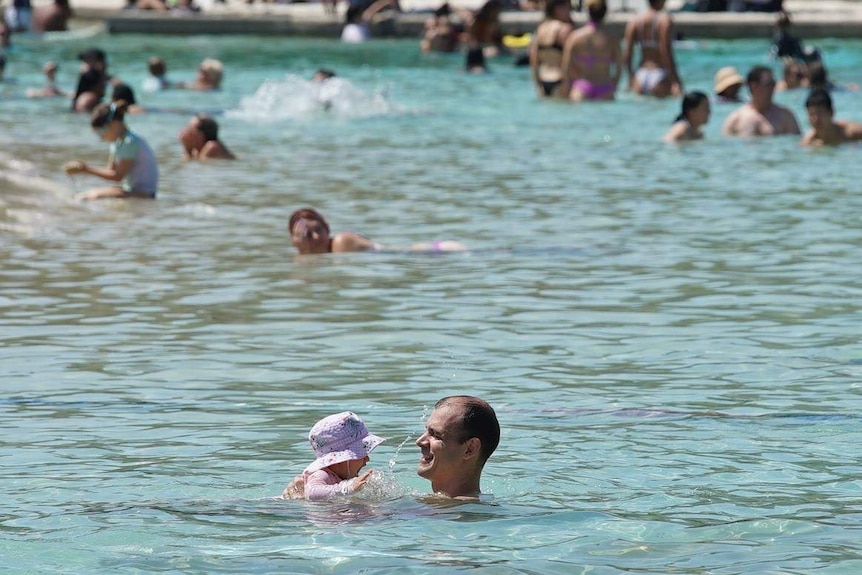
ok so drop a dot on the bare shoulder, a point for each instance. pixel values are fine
(730, 123)
(853, 130)
(677, 132)
(351, 242)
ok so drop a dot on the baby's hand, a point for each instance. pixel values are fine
(75, 167)
(360, 481)
(296, 489)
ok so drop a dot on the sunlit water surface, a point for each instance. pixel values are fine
(670, 335)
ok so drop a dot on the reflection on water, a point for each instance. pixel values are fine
(669, 335)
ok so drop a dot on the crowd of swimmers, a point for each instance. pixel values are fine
(567, 61)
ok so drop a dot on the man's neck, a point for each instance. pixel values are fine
(761, 105)
(466, 487)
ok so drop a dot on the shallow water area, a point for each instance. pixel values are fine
(669, 334)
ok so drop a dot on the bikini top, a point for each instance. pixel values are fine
(648, 40)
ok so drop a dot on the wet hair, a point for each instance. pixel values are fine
(597, 10)
(478, 419)
(819, 98)
(306, 214)
(654, 4)
(490, 9)
(689, 102)
(104, 114)
(756, 73)
(783, 21)
(818, 77)
(213, 69)
(552, 5)
(324, 74)
(123, 92)
(208, 127)
(443, 10)
(156, 66)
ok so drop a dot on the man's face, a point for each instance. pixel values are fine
(764, 87)
(442, 453)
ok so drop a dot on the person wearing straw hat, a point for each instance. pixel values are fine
(728, 83)
(460, 435)
(341, 443)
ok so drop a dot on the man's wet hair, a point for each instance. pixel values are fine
(477, 419)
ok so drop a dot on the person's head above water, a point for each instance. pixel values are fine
(461, 434)
(123, 92)
(341, 438)
(309, 231)
(695, 109)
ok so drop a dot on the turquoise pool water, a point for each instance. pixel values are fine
(670, 335)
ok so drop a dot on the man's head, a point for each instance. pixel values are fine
(461, 434)
(819, 108)
(761, 83)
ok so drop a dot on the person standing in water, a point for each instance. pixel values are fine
(592, 62)
(546, 49)
(656, 74)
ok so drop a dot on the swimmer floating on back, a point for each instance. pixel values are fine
(310, 234)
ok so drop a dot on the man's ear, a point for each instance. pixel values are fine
(472, 447)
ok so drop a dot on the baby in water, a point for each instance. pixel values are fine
(341, 443)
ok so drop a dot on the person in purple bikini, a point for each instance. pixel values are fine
(592, 61)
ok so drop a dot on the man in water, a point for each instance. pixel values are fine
(761, 116)
(460, 435)
(825, 130)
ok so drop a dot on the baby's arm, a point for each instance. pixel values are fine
(322, 485)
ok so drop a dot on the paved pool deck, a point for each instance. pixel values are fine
(812, 19)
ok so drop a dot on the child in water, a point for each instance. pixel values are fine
(132, 166)
(341, 443)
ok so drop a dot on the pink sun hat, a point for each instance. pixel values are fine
(340, 437)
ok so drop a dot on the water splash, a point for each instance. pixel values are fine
(297, 98)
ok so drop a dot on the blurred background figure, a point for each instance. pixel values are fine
(546, 49)
(158, 79)
(592, 60)
(728, 84)
(124, 93)
(52, 17)
(441, 34)
(200, 140)
(50, 90)
(18, 15)
(209, 77)
(784, 43)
